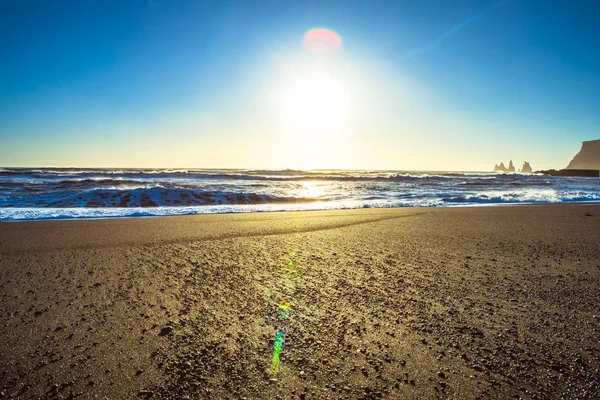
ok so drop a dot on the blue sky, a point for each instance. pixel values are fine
(435, 84)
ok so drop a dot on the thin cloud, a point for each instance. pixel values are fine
(454, 30)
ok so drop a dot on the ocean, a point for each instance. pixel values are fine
(59, 193)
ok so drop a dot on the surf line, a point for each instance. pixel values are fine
(284, 312)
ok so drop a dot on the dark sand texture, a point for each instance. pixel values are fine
(465, 303)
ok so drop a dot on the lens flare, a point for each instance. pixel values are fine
(277, 347)
(285, 310)
(322, 41)
(284, 313)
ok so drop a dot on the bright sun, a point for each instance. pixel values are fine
(315, 92)
(314, 102)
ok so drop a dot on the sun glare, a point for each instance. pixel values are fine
(314, 90)
(314, 102)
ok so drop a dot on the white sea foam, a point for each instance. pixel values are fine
(27, 194)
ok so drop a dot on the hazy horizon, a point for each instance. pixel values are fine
(405, 86)
(247, 169)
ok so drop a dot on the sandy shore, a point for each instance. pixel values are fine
(465, 303)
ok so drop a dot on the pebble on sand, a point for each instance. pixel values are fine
(165, 330)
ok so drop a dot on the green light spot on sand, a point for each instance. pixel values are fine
(285, 309)
(277, 347)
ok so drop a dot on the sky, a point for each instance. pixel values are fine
(414, 85)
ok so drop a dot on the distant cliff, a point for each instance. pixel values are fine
(502, 168)
(588, 157)
(511, 167)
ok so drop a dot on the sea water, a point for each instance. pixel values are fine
(52, 193)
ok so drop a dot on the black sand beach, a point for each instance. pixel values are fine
(465, 303)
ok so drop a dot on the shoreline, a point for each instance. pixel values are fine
(586, 202)
(416, 303)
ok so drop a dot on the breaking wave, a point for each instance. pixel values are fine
(42, 193)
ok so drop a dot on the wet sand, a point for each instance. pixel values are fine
(465, 303)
